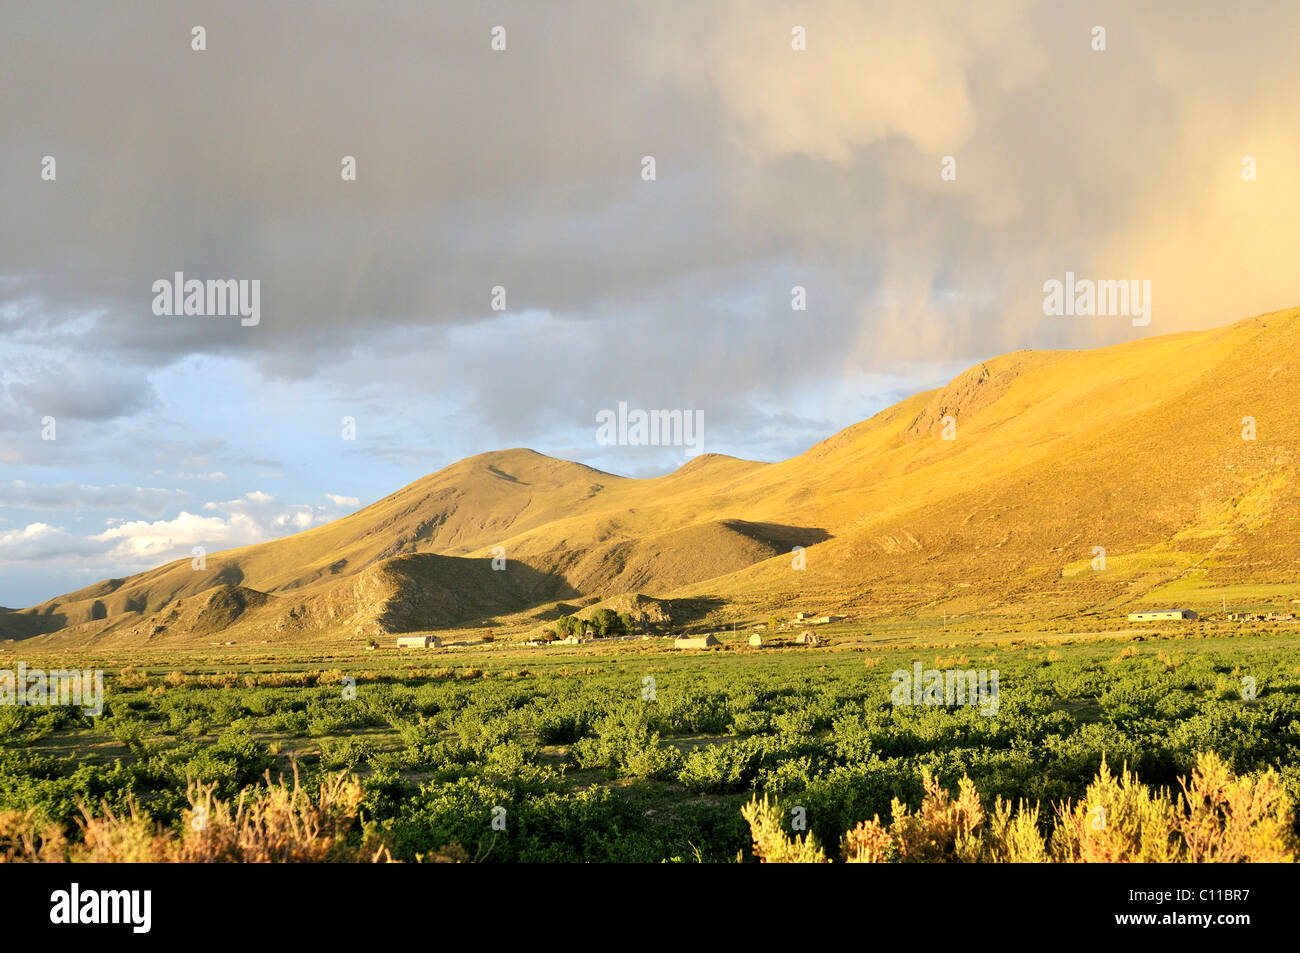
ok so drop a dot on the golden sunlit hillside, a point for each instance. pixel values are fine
(1139, 449)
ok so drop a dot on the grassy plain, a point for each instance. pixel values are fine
(635, 751)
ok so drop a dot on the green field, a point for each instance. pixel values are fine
(633, 751)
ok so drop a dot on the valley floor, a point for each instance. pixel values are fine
(636, 751)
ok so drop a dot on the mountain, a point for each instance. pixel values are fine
(1136, 448)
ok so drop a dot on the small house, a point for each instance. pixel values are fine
(419, 642)
(756, 640)
(1162, 615)
(699, 642)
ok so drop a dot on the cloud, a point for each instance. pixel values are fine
(141, 542)
(263, 514)
(71, 496)
(867, 73)
(138, 544)
(42, 543)
(79, 389)
(776, 167)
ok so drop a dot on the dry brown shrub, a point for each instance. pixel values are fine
(26, 839)
(1219, 818)
(132, 677)
(126, 837)
(283, 825)
(219, 680)
(868, 843)
(1227, 819)
(277, 823)
(944, 828)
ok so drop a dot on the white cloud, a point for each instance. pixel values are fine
(42, 543)
(141, 541)
(132, 545)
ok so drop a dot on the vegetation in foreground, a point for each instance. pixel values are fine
(1218, 818)
(653, 757)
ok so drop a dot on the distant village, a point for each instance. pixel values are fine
(776, 632)
(762, 635)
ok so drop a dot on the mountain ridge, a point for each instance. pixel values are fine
(1135, 448)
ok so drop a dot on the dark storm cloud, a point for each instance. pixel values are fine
(521, 169)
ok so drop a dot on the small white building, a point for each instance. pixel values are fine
(756, 640)
(419, 642)
(702, 642)
(1162, 615)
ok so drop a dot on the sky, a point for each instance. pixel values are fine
(503, 268)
